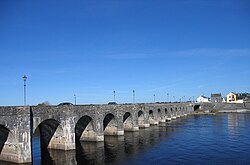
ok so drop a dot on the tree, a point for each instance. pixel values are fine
(45, 103)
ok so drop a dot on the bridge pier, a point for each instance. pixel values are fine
(64, 136)
(115, 126)
(131, 123)
(15, 139)
(144, 125)
(173, 117)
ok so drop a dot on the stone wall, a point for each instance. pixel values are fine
(225, 106)
(17, 146)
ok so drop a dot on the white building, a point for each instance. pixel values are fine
(202, 99)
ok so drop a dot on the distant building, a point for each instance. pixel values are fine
(203, 99)
(238, 97)
(231, 97)
(216, 98)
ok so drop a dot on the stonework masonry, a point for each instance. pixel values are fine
(61, 126)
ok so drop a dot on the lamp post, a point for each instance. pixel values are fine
(24, 89)
(154, 98)
(133, 96)
(114, 95)
(75, 98)
(168, 97)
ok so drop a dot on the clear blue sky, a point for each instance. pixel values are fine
(92, 47)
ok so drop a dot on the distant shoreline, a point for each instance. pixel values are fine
(234, 111)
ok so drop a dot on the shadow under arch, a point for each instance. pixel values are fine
(4, 133)
(110, 124)
(151, 117)
(127, 121)
(141, 119)
(84, 129)
(167, 113)
(160, 115)
(47, 129)
(41, 138)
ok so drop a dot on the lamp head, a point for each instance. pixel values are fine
(24, 78)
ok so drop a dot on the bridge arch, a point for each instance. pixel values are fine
(152, 118)
(168, 114)
(8, 143)
(141, 120)
(127, 121)
(161, 115)
(110, 125)
(4, 133)
(49, 130)
(84, 129)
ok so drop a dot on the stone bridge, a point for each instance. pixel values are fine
(60, 127)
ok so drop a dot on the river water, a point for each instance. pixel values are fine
(204, 139)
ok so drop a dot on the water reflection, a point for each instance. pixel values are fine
(114, 149)
(180, 141)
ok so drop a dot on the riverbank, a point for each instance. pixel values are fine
(234, 111)
(214, 112)
(224, 107)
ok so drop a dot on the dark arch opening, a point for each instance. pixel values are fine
(160, 115)
(196, 107)
(127, 121)
(150, 112)
(125, 116)
(140, 113)
(168, 112)
(107, 120)
(110, 126)
(4, 132)
(41, 139)
(47, 128)
(141, 121)
(151, 117)
(81, 125)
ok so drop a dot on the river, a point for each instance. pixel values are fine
(201, 139)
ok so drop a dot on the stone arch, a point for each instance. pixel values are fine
(168, 114)
(8, 144)
(48, 129)
(151, 117)
(127, 121)
(141, 119)
(110, 125)
(84, 129)
(4, 133)
(161, 116)
(173, 113)
(176, 111)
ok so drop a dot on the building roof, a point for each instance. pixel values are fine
(243, 95)
(204, 97)
(215, 94)
(232, 93)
